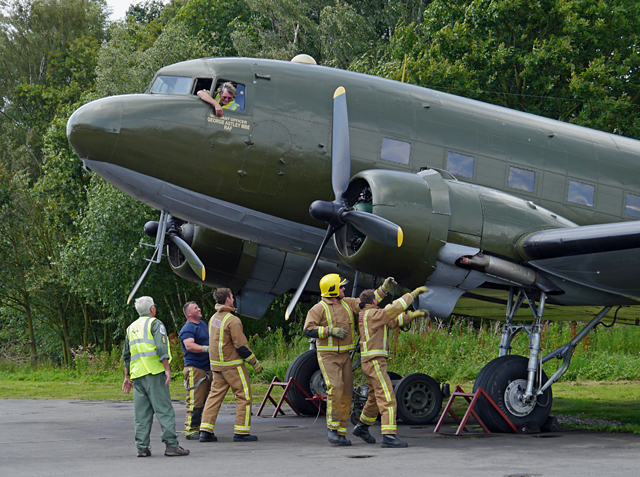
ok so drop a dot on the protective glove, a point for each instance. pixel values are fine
(205, 349)
(418, 291)
(337, 332)
(257, 367)
(419, 314)
(389, 284)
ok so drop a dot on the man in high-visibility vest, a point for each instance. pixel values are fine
(228, 351)
(225, 98)
(331, 322)
(146, 357)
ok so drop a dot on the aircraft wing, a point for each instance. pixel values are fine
(603, 257)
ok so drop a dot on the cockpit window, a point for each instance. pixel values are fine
(239, 100)
(172, 85)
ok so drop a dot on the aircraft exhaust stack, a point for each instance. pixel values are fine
(510, 271)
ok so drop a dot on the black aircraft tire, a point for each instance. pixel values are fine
(302, 369)
(419, 399)
(503, 378)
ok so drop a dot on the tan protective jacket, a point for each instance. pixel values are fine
(226, 335)
(327, 314)
(375, 324)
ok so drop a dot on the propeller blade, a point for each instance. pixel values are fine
(375, 227)
(194, 261)
(305, 279)
(340, 149)
(143, 276)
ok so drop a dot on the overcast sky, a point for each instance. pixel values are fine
(120, 7)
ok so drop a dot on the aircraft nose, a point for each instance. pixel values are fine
(93, 129)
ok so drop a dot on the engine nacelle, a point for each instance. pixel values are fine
(407, 200)
(433, 211)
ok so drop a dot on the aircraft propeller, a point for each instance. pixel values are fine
(165, 231)
(337, 213)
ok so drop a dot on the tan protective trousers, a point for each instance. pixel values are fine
(338, 376)
(198, 385)
(237, 378)
(381, 398)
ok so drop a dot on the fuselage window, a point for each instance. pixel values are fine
(172, 85)
(395, 151)
(238, 104)
(633, 205)
(581, 193)
(521, 179)
(460, 164)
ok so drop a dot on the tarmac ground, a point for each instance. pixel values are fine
(62, 437)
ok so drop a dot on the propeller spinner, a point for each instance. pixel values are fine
(164, 231)
(337, 213)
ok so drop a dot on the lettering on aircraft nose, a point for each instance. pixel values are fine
(229, 123)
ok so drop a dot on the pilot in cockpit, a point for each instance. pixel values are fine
(224, 99)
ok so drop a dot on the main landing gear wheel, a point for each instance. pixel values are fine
(505, 380)
(419, 399)
(306, 372)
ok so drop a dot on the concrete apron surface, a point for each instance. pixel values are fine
(59, 437)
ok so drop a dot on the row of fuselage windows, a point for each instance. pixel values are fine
(462, 165)
(578, 192)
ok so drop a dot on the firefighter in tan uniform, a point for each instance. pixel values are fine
(228, 351)
(374, 350)
(331, 322)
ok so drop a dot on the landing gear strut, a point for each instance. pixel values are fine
(516, 384)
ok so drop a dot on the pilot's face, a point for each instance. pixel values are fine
(226, 97)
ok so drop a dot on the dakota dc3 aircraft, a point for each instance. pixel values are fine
(475, 201)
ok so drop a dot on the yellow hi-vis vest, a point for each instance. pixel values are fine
(144, 355)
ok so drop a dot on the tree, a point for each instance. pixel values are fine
(573, 60)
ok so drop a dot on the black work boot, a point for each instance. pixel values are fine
(244, 438)
(343, 441)
(390, 440)
(332, 435)
(362, 431)
(207, 437)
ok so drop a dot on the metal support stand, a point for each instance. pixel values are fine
(276, 382)
(471, 398)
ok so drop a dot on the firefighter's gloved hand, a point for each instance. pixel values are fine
(205, 349)
(338, 333)
(389, 284)
(257, 367)
(418, 291)
(419, 314)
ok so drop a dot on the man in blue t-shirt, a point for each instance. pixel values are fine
(194, 337)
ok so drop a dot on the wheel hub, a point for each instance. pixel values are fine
(513, 398)
(418, 399)
(317, 384)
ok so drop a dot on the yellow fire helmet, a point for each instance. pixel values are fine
(330, 285)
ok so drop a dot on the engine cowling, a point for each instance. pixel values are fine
(409, 201)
